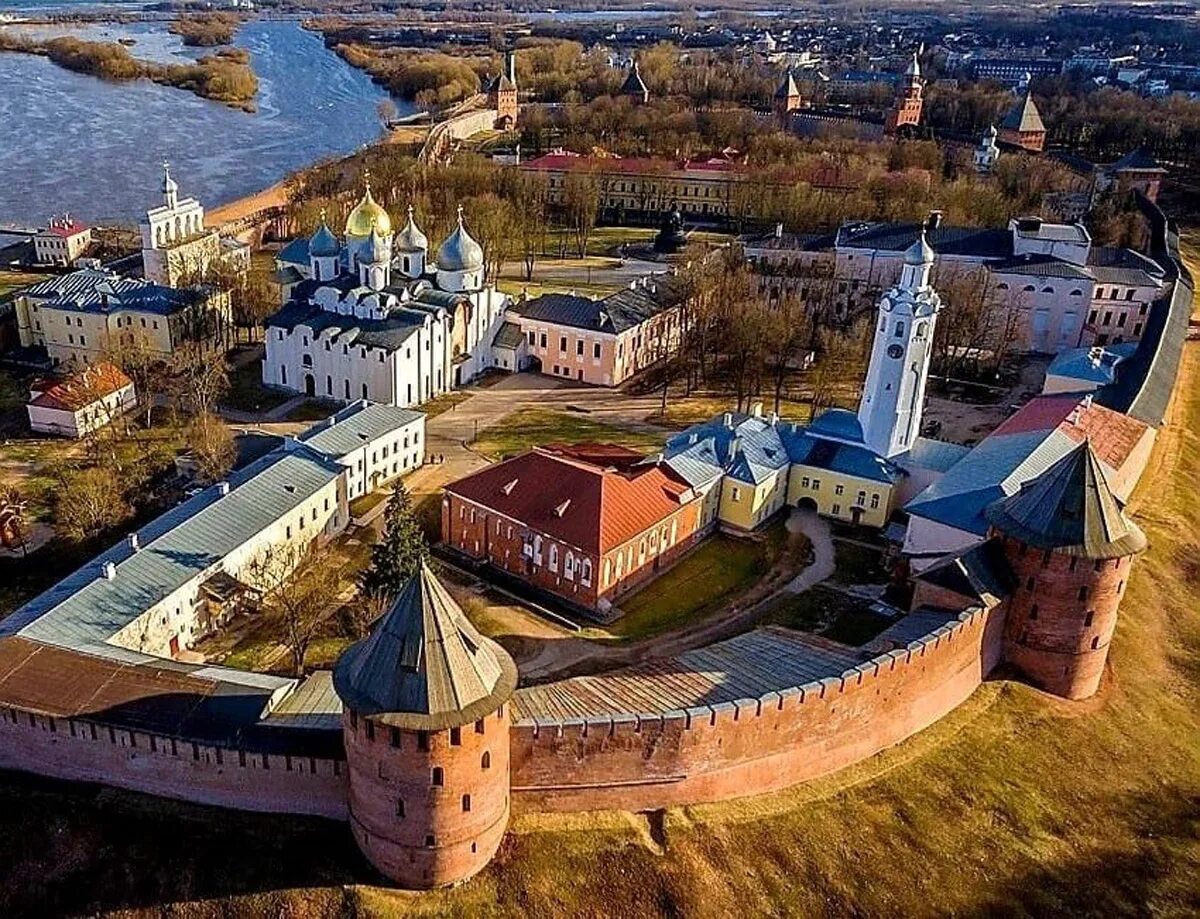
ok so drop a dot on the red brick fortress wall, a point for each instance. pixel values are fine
(88, 752)
(752, 746)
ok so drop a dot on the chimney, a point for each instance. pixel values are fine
(110, 571)
(728, 419)
(773, 418)
(779, 230)
(756, 408)
(222, 488)
(934, 221)
(133, 542)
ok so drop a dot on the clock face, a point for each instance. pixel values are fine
(895, 351)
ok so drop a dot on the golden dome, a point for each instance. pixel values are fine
(368, 214)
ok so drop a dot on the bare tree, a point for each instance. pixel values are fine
(211, 443)
(88, 502)
(299, 590)
(581, 201)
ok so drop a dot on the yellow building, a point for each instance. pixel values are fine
(85, 315)
(749, 467)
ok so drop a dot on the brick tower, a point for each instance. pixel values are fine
(502, 94)
(1071, 548)
(1023, 126)
(906, 111)
(787, 99)
(426, 734)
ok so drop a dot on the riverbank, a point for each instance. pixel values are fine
(224, 76)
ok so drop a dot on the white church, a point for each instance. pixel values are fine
(370, 317)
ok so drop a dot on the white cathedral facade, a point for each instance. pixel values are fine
(370, 317)
(894, 393)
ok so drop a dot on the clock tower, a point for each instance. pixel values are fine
(894, 393)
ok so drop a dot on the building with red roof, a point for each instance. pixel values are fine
(586, 522)
(61, 243)
(81, 402)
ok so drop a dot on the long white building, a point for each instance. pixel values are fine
(371, 318)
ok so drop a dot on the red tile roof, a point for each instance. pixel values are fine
(66, 229)
(82, 389)
(591, 496)
(1113, 436)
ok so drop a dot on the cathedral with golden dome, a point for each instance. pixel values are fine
(370, 316)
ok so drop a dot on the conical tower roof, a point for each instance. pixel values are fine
(787, 86)
(424, 666)
(634, 84)
(1024, 117)
(1069, 508)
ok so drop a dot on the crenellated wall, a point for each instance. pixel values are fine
(755, 745)
(89, 752)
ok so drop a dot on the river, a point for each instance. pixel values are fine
(73, 142)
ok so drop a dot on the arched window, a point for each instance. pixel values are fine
(1029, 288)
(554, 556)
(899, 329)
(586, 571)
(1047, 290)
(1077, 292)
(922, 329)
(485, 761)
(306, 360)
(1001, 286)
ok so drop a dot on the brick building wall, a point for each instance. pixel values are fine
(568, 571)
(752, 746)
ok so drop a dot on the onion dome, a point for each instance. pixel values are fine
(323, 244)
(920, 252)
(1069, 508)
(424, 666)
(368, 214)
(379, 251)
(411, 239)
(460, 252)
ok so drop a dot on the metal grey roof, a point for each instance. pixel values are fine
(619, 311)
(355, 425)
(390, 333)
(1041, 266)
(926, 453)
(508, 336)
(975, 242)
(98, 291)
(981, 572)
(1069, 508)
(744, 667)
(85, 609)
(313, 706)
(424, 666)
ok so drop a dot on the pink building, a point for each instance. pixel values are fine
(602, 341)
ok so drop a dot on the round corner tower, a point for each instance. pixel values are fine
(1071, 548)
(426, 730)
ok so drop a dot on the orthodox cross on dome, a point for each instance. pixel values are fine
(460, 215)
(367, 179)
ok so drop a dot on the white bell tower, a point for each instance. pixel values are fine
(894, 394)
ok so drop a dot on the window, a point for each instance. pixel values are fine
(429, 841)
(839, 489)
(899, 332)
(479, 726)
(737, 494)
(1033, 611)
(399, 808)
(455, 737)
(562, 344)
(423, 741)
(579, 347)
(862, 498)
(543, 339)
(1091, 614)
(466, 804)
(485, 762)
(1083, 593)
(439, 777)
(596, 350)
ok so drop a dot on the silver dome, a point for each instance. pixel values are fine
(411, 239)
(460, 252)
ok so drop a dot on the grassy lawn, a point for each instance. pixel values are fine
(683, 412)
(323, 652)
(12, 281)
(828, 613)
(312, 410)
(530, 427)
(705, 581)
(247, 393)
(361, 505)
(443, 403)
(251, 654)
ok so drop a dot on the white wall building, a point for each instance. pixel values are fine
(371, 318)
(82, 402)
(894, 393)
(62, 242)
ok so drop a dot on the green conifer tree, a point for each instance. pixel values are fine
(398, 554)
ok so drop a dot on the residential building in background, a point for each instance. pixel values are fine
(81, 402)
